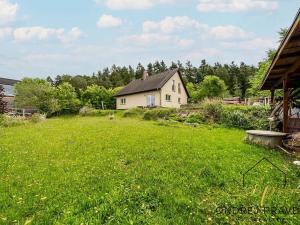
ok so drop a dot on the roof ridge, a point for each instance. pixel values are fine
(153, 82)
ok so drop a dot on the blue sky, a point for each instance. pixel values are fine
(41, 38)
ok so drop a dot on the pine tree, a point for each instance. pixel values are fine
(139, 71)
(3, 104)
(150, 69)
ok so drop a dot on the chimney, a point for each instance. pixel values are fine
(145, 75)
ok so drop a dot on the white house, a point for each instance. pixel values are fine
(161, 90)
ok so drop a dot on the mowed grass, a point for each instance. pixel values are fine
(91, 170)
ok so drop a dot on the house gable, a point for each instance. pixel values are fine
(174, 93)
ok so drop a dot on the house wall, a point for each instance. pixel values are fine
(138, 100)
(167, 90)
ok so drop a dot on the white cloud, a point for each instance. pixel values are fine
(8, 11)
(39, 33)
(134, 4)
(229, 32)
(184, 25)
(22, 34)
(74, 34)
(181, 31)
(236, 5)
(5, 32)
(129, 4)
(173, 24)
(106, 21)
(157, 40)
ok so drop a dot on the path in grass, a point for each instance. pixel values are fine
(93, 170)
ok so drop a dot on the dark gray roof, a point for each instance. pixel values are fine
(6, 81)
(154, 82)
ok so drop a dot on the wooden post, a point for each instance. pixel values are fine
(285, 105)
(272, 100)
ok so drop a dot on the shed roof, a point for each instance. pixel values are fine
(6, 81)
(154, 82)
(286, 61)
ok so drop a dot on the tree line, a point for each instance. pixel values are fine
(66, 94)
(235, 76)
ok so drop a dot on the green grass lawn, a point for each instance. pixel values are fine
(92, 170)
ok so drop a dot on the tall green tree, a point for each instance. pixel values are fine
(67, 98)
(211, 87)
(97, 96)
(37, 93)
(139, 71)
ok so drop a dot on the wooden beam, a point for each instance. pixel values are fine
(293, 44)
(289, 55)
(295, 66)
(287, 60)
(272, 98)
(290, 50)
(282, 66)
(285, 105)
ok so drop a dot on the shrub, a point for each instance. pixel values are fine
(246, 117)
(134, 112)
(159, 113)
(239, 116)
(195, 118)
(235, 119)
(212, 109)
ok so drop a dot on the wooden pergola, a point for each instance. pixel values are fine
(284, 72)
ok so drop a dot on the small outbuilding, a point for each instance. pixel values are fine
(284, 72)
(8, 85)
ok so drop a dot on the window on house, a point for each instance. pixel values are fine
(123, 101)
(173, 86)
(179, 88)
(179, 100)
(150, 100)
(168, 98)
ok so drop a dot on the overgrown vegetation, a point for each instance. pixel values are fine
(209, 111)
(13, 121)
(159, 113)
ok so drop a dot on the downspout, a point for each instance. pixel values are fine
(160, 98)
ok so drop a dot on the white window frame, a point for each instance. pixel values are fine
(150, 100)
(123, 101)
(168, 98)
(173, 86)
(179, 88)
